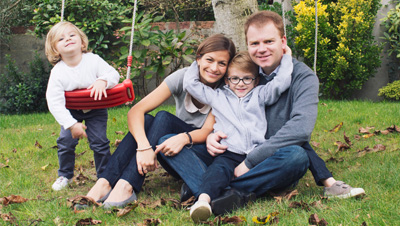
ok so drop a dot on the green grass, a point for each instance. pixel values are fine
(21, 172)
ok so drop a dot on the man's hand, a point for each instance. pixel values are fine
(98, 89)
(241, 169)
(78, 130)
(213, 145)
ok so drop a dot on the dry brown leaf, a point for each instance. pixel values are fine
(127, 209)
(14, 150)
(379, 147)
(82, 200)
(9, 218)
(341, 146)
(119, 132)
(117, 142)
(151, 222)
(324, 104)
(229, 220)
(315, 144)
(314, 220)
(188, 202)
(285, 195)
(347, 139)
(12, 199)
(38, 145)
(88, 221)
(357, 137)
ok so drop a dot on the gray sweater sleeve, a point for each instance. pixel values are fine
(192, 85)
(292, 118)
(271, 91)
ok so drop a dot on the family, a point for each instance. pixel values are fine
(242, 125)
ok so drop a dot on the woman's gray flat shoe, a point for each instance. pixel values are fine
(104, 197)
(122, 204)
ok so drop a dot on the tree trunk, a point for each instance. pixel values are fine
(230, 16)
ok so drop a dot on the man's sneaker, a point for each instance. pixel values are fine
(186, 193)
(200, 211)
(231, 199)
(342, 190)
(61, 183)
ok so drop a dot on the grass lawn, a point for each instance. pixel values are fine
(29, 163)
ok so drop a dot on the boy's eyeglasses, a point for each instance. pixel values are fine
(246, 80)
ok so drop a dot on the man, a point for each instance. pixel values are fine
(279, 162)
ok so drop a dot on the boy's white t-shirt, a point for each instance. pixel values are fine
(64, 78)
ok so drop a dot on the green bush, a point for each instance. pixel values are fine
(24, 92)
(155, 52)
(391, 91)
(347, 53)
(97, 18)
(392, 37)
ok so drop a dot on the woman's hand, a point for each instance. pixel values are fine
(98, 89)
(146, 161)
(173, 145)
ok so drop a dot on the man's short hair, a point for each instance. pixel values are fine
(262, 18)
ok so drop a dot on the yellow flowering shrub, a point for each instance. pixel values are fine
(347, 55)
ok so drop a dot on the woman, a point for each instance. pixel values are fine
(124, 175)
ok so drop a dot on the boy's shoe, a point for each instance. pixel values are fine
(200, 211)
(342, 190)
(61, 183)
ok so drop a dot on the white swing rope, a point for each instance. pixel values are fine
(62, 10)
(316, 36)
(129, 64)
(283, 15)
(128, 71)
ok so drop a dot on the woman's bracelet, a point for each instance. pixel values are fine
(144, 149)
(190, 140)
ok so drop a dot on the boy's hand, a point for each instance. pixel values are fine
(78, 130)
(98, 89)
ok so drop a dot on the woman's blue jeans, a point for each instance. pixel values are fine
(280, 171)
(123, 165)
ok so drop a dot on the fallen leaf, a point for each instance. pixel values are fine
(127, 209)
(315, 144)
(117, 142)
(336, 128)
(88, 221)
(82, 200)
(12, 199)
(341, 146)
(188, 202)
(324, 104)
(229, 220)
(263, 220)
(314, 220)
(14, 150)
(119, 132)
(368, 135)
(379, 147)
(38, 145)
(151, 222)
(9, 218)
(357, 137)
(285, 195)
(114, 119)
(347, 139)
(365, 130)
(44, 167)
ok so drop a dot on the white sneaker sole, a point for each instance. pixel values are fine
(355, 192)
(200, 214)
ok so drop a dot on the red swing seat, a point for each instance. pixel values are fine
(81, 100)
